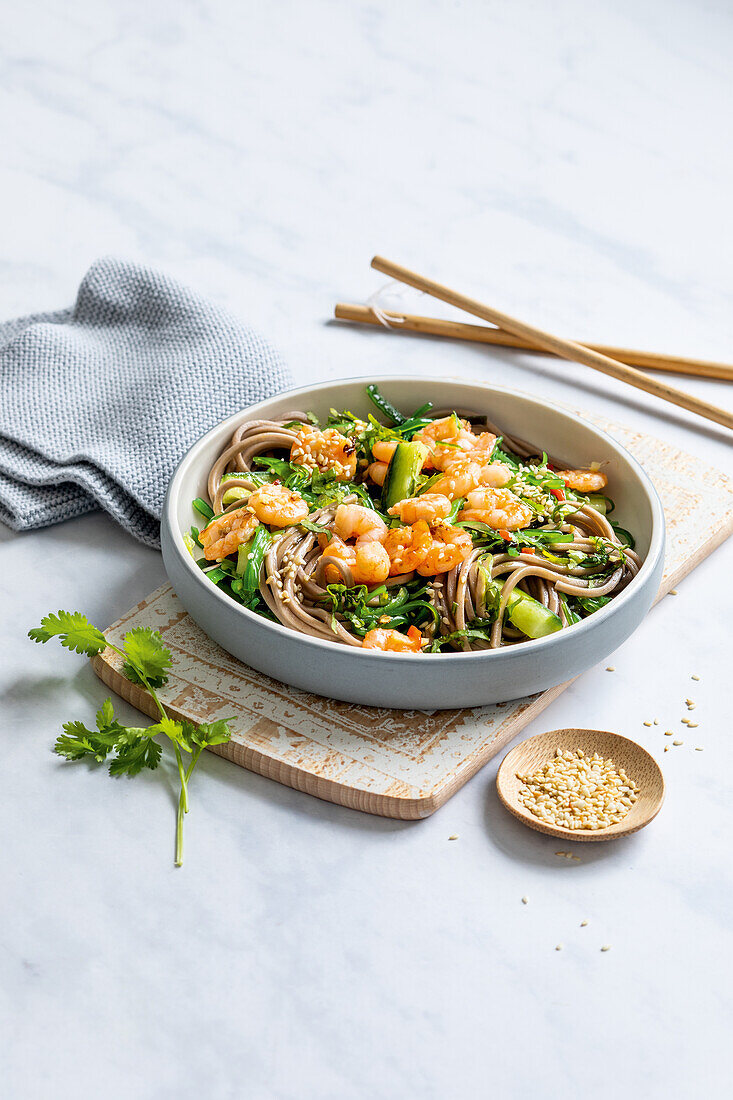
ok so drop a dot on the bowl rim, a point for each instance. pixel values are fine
(528, 647)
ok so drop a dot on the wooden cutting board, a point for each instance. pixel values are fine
(402, 764)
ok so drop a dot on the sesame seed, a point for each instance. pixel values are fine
(668, 733)
(647, 723)
(558, 947)
(525, 899)
(656, 721)
(606, 947)
(611, 668)
(678, 742)
(673, 591)
(694, 677)
(666, 748)
(584, 924)
(692, 725)
(453, 836)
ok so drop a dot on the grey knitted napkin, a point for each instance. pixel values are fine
(99, 402)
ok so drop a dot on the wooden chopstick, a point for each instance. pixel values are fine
(566, 349)
(482, 334)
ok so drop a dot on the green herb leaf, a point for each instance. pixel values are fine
(147, 657)
(77, 741)
(135, 751)
(212, 733)
(73, 630)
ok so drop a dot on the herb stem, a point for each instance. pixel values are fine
(184, 779)
(179, 831)
(183, 800)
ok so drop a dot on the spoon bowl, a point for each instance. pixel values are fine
(535, 752)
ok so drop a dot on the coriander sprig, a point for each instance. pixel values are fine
(146, 662)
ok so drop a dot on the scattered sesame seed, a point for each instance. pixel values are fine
(698, 748)
(647, 723)
(666, 748)
(678, 742)
(584, 924)
(558, 947)
(656, 721)
(673, 591)
(611, 668)
(668, 733)
(606, 947)
(453, 836)
(692, 725)
(694, 677)
(525, 899)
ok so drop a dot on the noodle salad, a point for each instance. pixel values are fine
(414, 533)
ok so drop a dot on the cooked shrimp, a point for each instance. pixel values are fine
(383, 449)
(584, 481)
(459, 478)
(325, 451)
(354, 521)
(483, 447)
(407, 547)
(451, 545)
(377, 471)
(371, 564)
(444, 438)
(392, 641)
(448, 427)
(368, 561)
(430, 506)
(497, 508)
(495, 475)
(227, 533)
(337, 549)
(278, 506)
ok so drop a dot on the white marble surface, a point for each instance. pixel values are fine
(568, 162)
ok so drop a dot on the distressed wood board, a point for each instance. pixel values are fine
(401, 764)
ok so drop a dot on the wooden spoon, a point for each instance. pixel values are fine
(532, 754)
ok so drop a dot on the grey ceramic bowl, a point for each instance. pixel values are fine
(424, 682)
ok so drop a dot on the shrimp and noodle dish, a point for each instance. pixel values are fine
(408, 532)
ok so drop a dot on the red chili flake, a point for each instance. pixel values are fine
(558, 493)
(505, 535)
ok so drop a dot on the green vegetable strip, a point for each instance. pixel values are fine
(258, 547)
(203, 509)
(385, 406)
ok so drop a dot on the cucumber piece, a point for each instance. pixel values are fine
(530, 616)
(403, 473)
(599, 503)
(237, 492)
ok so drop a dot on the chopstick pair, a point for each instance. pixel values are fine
(511, 332)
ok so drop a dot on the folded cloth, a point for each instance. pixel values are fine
(99, 402)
